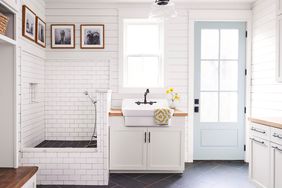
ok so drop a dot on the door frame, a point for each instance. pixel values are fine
(217, 15)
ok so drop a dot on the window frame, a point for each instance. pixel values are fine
(123, 87)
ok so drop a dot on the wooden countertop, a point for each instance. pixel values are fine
(118, 112)
(16, 177)
(268, 121)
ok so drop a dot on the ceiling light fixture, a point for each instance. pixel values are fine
(163, 9)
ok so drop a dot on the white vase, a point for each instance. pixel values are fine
(172, 105)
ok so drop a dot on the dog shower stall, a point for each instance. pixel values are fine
(57, 118)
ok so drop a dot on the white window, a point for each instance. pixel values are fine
(143, 65)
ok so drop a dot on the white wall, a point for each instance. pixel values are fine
(266, 92)
(68, 113)
(31, 58)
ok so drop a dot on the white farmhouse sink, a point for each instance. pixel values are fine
(143, 114)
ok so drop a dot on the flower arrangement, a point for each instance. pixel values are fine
(174, 96)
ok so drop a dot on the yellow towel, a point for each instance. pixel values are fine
(162, 116)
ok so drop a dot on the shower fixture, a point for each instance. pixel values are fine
(94, 135)
(91, 98)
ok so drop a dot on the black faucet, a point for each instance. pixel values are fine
(145, 99)
(145, 95)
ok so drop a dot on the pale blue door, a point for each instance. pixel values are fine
(219, 121)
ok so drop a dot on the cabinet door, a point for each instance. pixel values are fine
(128, 148)
(276, 166)
(260, 162)
(166, 148)
(7, 108)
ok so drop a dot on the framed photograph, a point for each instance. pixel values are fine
(62, 36)
(92, 36)
(29, 23)
(40, 32)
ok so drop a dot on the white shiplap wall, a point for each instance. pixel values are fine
(31, 58)
(266, 92)
(66, 70)
(59, 94)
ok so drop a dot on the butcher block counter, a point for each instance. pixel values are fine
(118, 112)
(22, 177)
(268, 121)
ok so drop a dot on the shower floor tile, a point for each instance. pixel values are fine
(66, 144)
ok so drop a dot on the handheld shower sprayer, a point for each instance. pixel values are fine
(94, 135)
(91, 98)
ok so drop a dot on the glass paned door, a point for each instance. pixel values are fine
(220, 87)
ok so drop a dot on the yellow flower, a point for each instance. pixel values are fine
(171, 89)
(177, 97)
(167, 91)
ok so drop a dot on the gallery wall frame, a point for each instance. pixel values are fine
(92, 36)
(40, 37)
(62, 36)
(28, 23)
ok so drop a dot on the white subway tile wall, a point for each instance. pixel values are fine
(69, 114)
(75, 166)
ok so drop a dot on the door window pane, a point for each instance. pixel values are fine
(210, 44)
(228, 107)
(229, 43)
(209, 75)
(229, 75)
(209, 107)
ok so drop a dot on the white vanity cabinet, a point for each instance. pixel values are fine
(146, 149)
(276, 166)
(128, 148)
(265, 156)
(260, 161)
(165, 148)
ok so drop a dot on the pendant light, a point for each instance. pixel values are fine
(163, 9)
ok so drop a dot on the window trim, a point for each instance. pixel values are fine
(123, 56)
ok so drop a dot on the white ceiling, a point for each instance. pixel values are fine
(180, 1)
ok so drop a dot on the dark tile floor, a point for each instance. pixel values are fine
(66, 144)
(200, 174)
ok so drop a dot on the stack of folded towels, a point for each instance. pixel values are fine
(162, 116)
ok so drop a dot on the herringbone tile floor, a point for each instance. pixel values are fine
(200, 174)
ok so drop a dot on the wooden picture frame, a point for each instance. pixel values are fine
(28, 23)
(62, 36)
(92, 36)
(40, 32)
